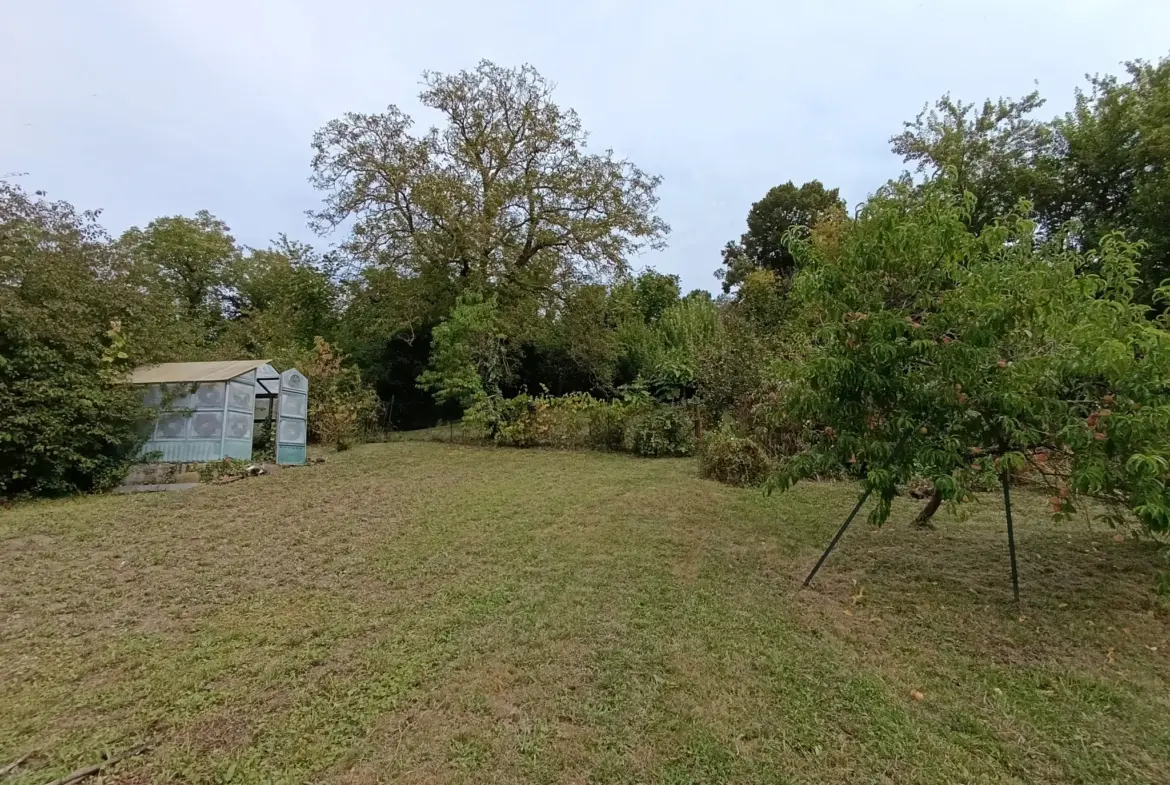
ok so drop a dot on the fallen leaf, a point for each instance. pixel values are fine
(1119, 538)
(917, 695)
(1109, 658)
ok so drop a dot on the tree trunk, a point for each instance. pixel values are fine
(922, 521)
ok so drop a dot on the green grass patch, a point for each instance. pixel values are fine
(426, 612)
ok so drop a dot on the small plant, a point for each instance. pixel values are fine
(264, 443)
(228, 467)
(733, 460)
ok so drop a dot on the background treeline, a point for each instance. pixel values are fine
(485, 266)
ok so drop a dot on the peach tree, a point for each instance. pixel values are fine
(963, 357)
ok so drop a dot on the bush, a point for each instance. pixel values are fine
(535, 420)
(636, 425)
(607, 426)
(659, 432)
(67, 423)
(733, 460)
(64, 428)
(342, 408)
(519, 422)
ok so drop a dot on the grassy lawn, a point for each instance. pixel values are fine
(423, 612)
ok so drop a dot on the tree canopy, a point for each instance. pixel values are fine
(762, 247)
(998, 307)
(1101, 166)
(63, 295)
(952, 355)
(505, 192)
(1114, 168)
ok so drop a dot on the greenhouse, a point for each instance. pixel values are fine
(208, 411)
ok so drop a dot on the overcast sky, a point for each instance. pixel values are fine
(159, 107)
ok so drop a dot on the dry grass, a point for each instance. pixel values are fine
(420, 612)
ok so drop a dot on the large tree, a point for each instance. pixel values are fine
(503, 193)
(194, 259)
(996, 151)
(762, 247)
(1103, 165)
(283, 298)
(1113, 173)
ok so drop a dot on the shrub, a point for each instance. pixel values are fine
(535, 420)
(67, 424)
(733, 460)
(762, 417)
(659, 432)
(519, 421)
(342, 408)
(607, 426)
(636, 424)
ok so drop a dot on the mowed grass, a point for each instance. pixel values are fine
(418, 612)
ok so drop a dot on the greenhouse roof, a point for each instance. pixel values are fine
(215, 371)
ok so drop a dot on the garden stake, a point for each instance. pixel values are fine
(849, 520)
(837, 537)
(1007, 506)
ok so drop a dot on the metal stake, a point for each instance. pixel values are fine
(852, 515)
(840, 532)
(1007, 506)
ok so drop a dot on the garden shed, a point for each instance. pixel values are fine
(207, 411)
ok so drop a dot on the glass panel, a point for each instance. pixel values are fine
(294, 380)
(239, 425)
(288, 454)
(180, 396)
(262, 406)
(207, 425)
(293, 405)
(153, 396)
(209, 396)
(240, 396)
(171, 426)
(292, 431)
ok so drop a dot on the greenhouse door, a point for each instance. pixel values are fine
(292, 424)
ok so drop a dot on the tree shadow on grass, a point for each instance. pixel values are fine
(1083, 594)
